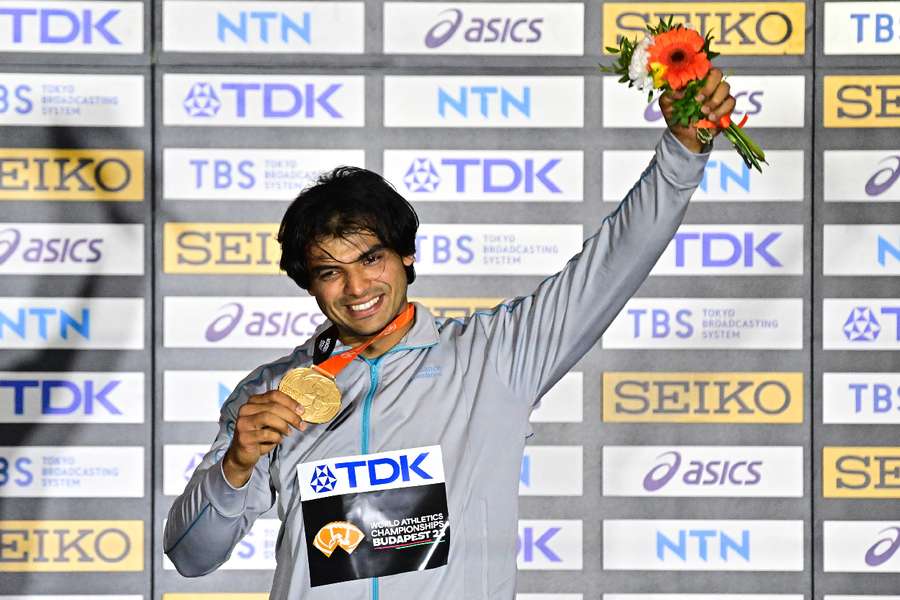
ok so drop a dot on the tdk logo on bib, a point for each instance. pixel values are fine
(370, 472)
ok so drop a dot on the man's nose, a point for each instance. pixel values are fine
(356, 283)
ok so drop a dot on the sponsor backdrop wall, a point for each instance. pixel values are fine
(732, 436)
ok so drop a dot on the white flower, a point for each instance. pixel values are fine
(637, 68)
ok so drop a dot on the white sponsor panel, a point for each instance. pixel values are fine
(247, 173)
(197, 395)
(66, 100)
(726, 177)
(476, 28)
(861, 324)
(552, 471)
(66, 26)
(703, 471)
(215, 100)
(350, 474)
(179, 463)
(239, 321)
(71, 397)
(72, 472)
(862, 27)
(549, 597)
(861, 175)
(861, 398)
(861, 546)
(483, 101)
(767, 100)
(88, 323)
(728, 323)
(733, 250)
(563, 403)
(840, 597)
(71, 249)
(551, 545)
(703, 596)
(861, 250)
(486, 175)
(255, 551)
(295, 27)
(497, 249)
(702, 545)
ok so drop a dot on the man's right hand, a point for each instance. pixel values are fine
(262, 423)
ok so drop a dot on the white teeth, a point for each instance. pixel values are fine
(369, 304)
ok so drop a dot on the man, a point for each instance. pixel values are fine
(410, 492)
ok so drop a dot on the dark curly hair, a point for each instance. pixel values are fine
(342, 202)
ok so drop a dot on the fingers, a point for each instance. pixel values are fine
(723, 109)
(712, 81)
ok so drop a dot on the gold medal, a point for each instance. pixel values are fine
(315, 392)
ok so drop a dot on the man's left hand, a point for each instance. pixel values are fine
(716, 101)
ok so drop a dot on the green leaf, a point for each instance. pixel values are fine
(612, 50)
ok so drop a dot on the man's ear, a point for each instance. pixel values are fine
(408, 260)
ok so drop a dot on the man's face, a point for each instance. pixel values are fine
(358, 283)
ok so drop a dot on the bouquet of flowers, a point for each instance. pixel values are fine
(676, 58)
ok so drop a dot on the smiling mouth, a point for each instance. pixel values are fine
(364, 306)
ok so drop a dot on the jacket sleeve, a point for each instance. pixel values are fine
(210, 517)
(535, 340)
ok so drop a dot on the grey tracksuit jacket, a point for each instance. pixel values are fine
(467, 385)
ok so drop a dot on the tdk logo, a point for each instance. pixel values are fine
(382, 471)
(58, 26)
(723, 249)
(534, 545)
(484, 100)
(884, 549)
(480, 30)
(273, 100)
(323, 480)
(700, 543)
(861, 325)
(261, 26)
(494, 175)
(62, 396)
(883, 179)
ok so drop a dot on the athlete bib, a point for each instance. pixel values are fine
(375, 514)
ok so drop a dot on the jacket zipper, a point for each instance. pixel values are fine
(366, 415)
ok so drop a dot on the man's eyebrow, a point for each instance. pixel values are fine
(333, 261)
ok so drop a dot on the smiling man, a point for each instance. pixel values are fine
(410, 491)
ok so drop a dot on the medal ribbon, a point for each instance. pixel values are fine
(334, 365)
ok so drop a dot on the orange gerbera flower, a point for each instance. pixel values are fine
(679, 51)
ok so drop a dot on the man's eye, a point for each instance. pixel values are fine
(327, 275)
(372, 259)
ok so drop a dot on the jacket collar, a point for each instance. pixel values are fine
(422, 334)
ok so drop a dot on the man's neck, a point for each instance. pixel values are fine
(380, 346)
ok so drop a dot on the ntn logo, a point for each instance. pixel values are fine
(727, 174)
(256, 24)
(41, 317)
(485, 100)
(885, 248)
(61, 26)
(699, 543)
(62, 396)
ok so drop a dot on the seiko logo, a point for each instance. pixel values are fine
(865, 101)
(64, 174)
(734, 28)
